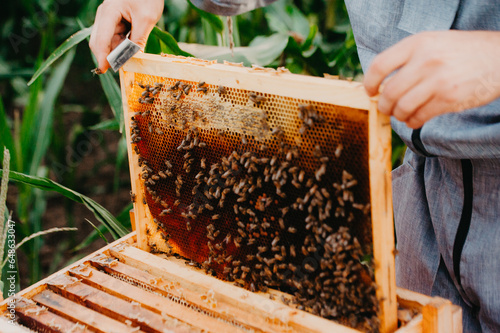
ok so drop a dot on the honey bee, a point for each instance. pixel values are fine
(222, 90)
(338, 151)
(132, 196)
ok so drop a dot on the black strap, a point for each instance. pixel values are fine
(417, 143)
(465, 219)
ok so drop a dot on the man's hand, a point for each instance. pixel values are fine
(115, 18)
(438, 72)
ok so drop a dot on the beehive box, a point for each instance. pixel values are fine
(121, 288)
(264, 179)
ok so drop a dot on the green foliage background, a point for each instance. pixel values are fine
(66, 105)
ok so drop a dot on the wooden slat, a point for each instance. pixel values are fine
(166, 288)
(79, 313)
(437, 316)
(41, 285)
(39, 318)
(7, 327)
(132, 219)
(158, 285)
(150, 301)
(414, 326)
(382, 219)
(109, 305)
(338, 92)
(140, 211)
(254, 305)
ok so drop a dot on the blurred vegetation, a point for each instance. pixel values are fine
(51, 125)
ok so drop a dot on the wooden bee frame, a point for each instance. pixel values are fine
(335, 92)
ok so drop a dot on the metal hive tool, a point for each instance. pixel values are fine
(259, 177)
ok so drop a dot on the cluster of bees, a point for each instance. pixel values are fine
(266, 221)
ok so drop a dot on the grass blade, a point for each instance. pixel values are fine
(4, 185)
(97, 232)
(101, 214)
(35, 235)
(73, 40)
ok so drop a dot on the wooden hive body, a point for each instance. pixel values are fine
(126, 286)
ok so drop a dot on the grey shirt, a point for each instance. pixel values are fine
(447, 192)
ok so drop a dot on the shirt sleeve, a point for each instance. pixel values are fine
(230, 7)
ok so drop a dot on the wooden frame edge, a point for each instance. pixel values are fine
(382, 216)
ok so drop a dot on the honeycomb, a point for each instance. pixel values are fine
(263, 190)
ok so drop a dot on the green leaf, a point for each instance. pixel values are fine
(285, 18)
(152, 45)
(100, 213)
(306, 45)
(73, 40)
(41, 132)
(262, 51)
(169, 41)
(113, 94)
(6, 139)
(214, 20)
(96, 233)
(23, 132)
(106, 125)
(121, 157)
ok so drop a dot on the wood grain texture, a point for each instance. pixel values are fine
(76, 312)
(38, 318)
(254, 305)
(382, 217)
(42, 284)
(338, 92)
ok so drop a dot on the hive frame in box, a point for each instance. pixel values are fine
(431, 314)
(341, 93)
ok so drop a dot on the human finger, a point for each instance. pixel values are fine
(424, 114)
(385, 63)
(414, 99)
(396, 86)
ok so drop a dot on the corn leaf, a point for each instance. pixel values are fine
(113, 94)
(104, 216)
(41, 133)
(169, 42)
(73, 40)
